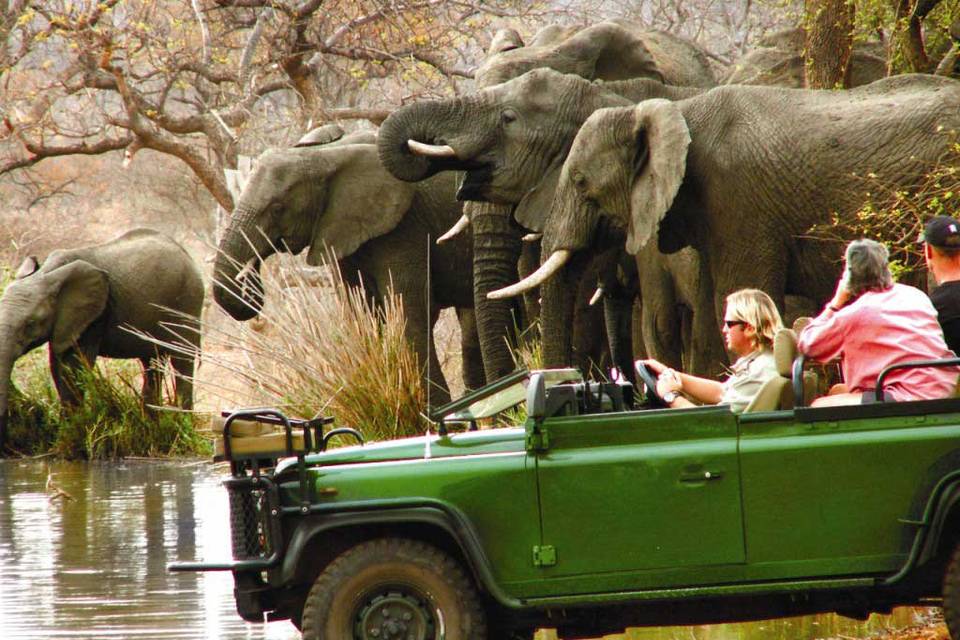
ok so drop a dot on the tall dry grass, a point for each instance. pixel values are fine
(319, 348)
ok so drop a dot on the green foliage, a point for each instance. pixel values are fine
(896, 216)
(109, 422)
(875, 17)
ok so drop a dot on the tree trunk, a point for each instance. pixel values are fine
(829, 25)
(907, 53)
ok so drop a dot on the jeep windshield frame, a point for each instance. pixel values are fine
(500, 395)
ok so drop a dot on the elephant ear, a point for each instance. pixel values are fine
(321, 135)
(28, 267)
(363, 201)
(533, 209)
(82, 292)
(504, 40)
(661, 139)
(613, 52)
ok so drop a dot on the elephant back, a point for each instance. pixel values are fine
(148, 273)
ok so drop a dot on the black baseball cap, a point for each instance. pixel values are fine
(942, 231)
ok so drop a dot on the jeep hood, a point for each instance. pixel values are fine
(470, 443)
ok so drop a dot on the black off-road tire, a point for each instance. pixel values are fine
(402, 588)
(951, 595)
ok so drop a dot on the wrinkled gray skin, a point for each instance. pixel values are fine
(380, 229)
(740, 173)
(606, 51)
(777, 60)
(493, 132)
(81, 301)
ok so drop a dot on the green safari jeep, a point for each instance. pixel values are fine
(595, 512)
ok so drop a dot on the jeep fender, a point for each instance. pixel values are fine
(432, 513)
(948, 505)
(943, 503)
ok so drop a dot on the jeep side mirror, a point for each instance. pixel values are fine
(536, 397)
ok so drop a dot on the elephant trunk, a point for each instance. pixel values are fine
(237, 288)
(7, 360)
(618, 319)
(569, 231)
(496, 251)
(427, 125)
(557, 303)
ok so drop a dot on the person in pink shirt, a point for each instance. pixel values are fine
(872, 323)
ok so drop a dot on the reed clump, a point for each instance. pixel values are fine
(321, 347)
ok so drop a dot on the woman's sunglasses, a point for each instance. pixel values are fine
(733, 323)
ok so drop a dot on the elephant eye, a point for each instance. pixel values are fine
(580, 181)
(508, 116)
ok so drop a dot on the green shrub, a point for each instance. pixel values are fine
(109, 421)
(896, 216)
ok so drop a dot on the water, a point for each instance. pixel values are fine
(94, 566)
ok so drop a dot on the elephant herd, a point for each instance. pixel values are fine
(614, 153)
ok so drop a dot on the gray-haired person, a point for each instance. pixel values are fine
(872, 323)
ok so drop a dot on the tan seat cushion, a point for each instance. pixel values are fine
(250, 438)
(267, 445)
(242, 428)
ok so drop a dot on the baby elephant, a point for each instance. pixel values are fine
(85, 301)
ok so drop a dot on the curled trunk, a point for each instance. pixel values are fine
(430, 123)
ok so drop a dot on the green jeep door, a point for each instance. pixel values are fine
(640, 500)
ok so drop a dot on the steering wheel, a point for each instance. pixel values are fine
(649, 381)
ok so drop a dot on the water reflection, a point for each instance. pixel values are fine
(93, 565)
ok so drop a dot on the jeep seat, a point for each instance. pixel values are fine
(777, 393)
(252, 439)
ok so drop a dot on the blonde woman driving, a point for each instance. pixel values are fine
(750, 322)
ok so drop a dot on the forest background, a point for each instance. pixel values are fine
(121, 113)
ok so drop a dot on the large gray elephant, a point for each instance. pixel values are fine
(338, 196)
(607, 51)
(512, 139)
(85, 302)
(778, 60)
(742, 173)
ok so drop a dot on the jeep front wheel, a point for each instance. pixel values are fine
(393, 589)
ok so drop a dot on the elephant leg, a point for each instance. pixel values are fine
(471, 358)
(661, 322)
(152, 380)
(661, 333)
(707, 353)
(618, 316)
(65, 368)
(418, 331)
(184, 368)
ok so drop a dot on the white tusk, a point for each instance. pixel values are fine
(532, 237)
(595, 298)
(431, 150)
(455, 230)
(556, 260)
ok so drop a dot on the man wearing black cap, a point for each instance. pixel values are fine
(941, 249)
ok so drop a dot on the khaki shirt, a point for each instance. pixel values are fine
(747, 376)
